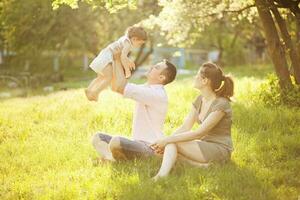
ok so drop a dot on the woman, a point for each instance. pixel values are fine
(212, 140)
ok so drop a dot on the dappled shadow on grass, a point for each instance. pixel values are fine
(267, 140)
(264, 165)
(132, 180)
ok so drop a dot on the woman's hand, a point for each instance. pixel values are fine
(159, 151)
(161, 143)
(156, 149)
(159, 146)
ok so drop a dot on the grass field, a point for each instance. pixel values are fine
(45, 149)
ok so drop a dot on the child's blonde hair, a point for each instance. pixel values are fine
(136, 31)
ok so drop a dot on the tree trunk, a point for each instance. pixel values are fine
(298, 34)
(235, 37)
(297, 18)
(294, 8)
(288, 43)
(275, 48)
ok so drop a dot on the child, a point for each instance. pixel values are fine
(103, 63)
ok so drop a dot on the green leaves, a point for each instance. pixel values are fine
(183, 21)
(72, 3)
(112, 6)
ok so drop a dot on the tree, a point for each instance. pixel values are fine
(290, 47)
(276, 50)
(35, 29)
(181, 20)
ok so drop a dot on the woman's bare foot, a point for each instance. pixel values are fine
(157, 177)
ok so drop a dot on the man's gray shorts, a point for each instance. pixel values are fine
(130, 148)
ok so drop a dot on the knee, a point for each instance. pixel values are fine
(95, 139)
(98, 137)
(115, 143)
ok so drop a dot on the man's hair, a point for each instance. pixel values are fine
(136, 31)
(169, 72)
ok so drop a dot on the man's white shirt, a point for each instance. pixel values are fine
(150, 110)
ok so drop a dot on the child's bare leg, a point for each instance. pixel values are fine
(99, 83)
(102, 85)
(90, 91)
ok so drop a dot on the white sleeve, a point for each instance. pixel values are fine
(142, 94)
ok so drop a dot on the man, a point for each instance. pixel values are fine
(149, 115)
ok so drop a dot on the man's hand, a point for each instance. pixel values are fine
(156, 149)
(159, 146)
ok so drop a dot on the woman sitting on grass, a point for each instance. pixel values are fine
(211, 142)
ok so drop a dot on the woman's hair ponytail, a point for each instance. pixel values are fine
(222, 84)
(226, 88)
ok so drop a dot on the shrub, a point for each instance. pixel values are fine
(271, 94)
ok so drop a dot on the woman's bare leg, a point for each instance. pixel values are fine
(190, 150)
(99, 83)
(192, 162)
(169, 159)
(187, 151)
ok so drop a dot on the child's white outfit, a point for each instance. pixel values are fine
(106, 55)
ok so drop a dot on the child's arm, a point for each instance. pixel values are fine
(126, 62)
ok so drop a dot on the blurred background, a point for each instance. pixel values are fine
(46, 122)
(47, 45)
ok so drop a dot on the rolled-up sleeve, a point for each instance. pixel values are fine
(142, 94)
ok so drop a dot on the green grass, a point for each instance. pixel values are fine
(45, 150)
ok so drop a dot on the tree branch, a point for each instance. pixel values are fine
(229, 11)
(239, 10)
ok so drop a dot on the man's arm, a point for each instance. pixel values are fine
(136, 92)
(119, 81)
